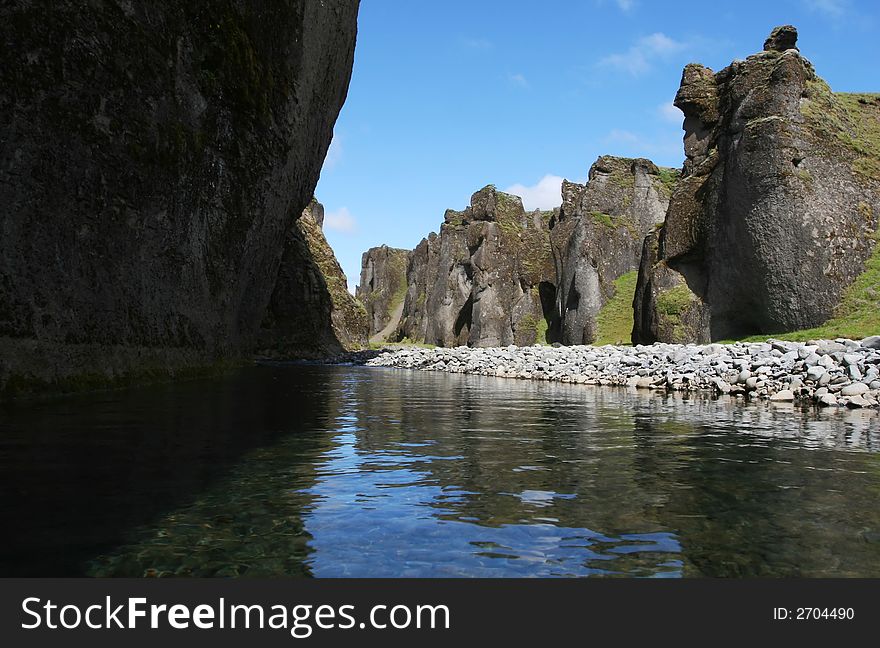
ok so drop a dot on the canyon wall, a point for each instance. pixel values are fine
(597, 238)
(311, 313)
(485, 280)
(382, 289)
(497, 275)
(777, 210)
(153, 160)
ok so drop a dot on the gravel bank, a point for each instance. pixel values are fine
(829, 373)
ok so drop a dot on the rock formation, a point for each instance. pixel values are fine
(777, 209)
(421, 270)
(597, 237)
(311, 312)
(154, 157)
(383, 288)
(485, 280)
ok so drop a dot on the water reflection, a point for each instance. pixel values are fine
(380, 472)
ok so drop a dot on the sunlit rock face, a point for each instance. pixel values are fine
(597, 237)
(486, 280)
(311, 313)
(777, 209)
(382, 288)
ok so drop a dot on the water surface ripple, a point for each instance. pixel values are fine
(350, 471)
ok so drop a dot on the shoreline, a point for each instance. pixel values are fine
(824, 373)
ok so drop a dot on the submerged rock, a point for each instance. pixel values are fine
(777, 208)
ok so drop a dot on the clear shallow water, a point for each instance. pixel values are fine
(349, 471)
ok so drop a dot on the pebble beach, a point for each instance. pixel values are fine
(827, 373)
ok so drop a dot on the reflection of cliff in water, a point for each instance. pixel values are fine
(80, 474)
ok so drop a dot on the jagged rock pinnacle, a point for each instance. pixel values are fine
(781, 38)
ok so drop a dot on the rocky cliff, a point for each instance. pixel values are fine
(311, 313)
(778, 206)
(382, 289)
(485, 280)
(153, 159)
(597, 239)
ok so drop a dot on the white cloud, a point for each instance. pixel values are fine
(833, 8)
(659, 43)
(518, 80)
(476, 43)
(340, 220)
(638, 59)
(669, 113)
(544, 194)
(334, 152)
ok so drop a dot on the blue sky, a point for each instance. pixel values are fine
(448, 97)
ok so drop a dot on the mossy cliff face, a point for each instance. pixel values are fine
(153, 157)
(421, 269)
(775, 214)
(597, 237)
(311, 313)
(485, 280)
(383, 287)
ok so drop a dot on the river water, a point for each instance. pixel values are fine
(297, 470)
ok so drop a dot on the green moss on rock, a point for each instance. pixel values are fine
(668, 179)
(673, 305)
(601, 218)
(850, 119)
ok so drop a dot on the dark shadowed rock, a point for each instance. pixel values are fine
(311, 313)
(154, 159)
(421, 270)
(777, 208)
(383, 288)
(597, 237)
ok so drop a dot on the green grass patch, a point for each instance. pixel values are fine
(668, 179)
(852, 119)
(541, 331)
(674, 301)
(614, 323)
(416, 343)
(538, 325)
(603, 219)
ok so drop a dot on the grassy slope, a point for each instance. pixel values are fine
(614, 323)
